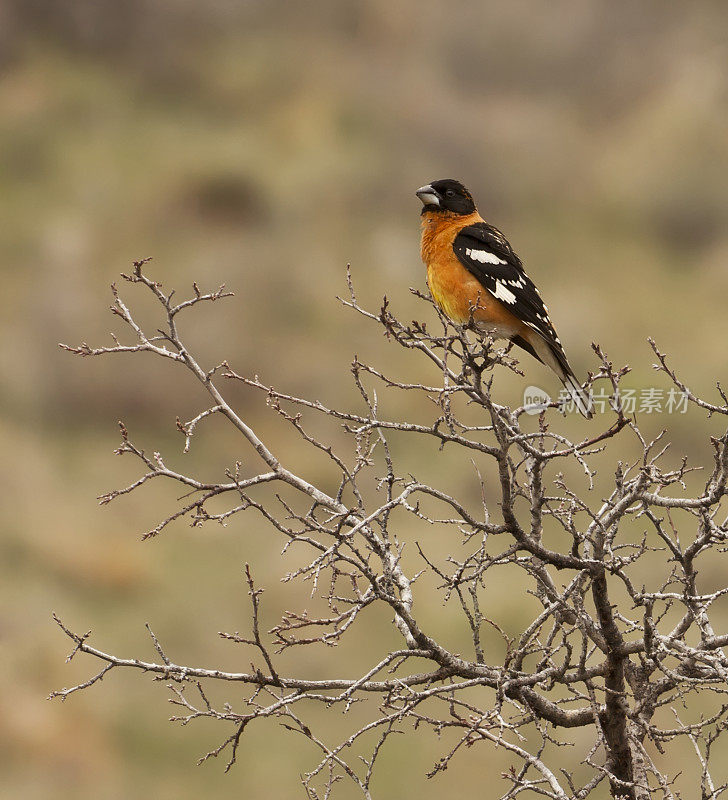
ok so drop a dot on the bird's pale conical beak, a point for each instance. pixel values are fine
(428, 196)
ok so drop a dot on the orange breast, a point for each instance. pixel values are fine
(453, 288)
(456, 291)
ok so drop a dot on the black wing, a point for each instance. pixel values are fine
(485, 252)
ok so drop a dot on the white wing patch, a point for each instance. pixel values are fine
(506, 287)
(502, 293)
(484, 256)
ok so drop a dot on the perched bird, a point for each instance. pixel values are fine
(472, 270)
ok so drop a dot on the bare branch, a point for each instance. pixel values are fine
(586, 657)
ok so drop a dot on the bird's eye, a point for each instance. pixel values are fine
(450, 193)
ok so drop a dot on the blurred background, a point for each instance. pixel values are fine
(265, 145)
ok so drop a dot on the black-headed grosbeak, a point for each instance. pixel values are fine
(472, 270)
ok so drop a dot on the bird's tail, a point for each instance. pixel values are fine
(581, 400)
(552, 354)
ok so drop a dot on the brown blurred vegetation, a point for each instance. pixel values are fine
(264, 145)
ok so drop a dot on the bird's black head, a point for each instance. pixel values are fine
(446, 195)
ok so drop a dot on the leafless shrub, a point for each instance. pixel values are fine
(625, 673)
